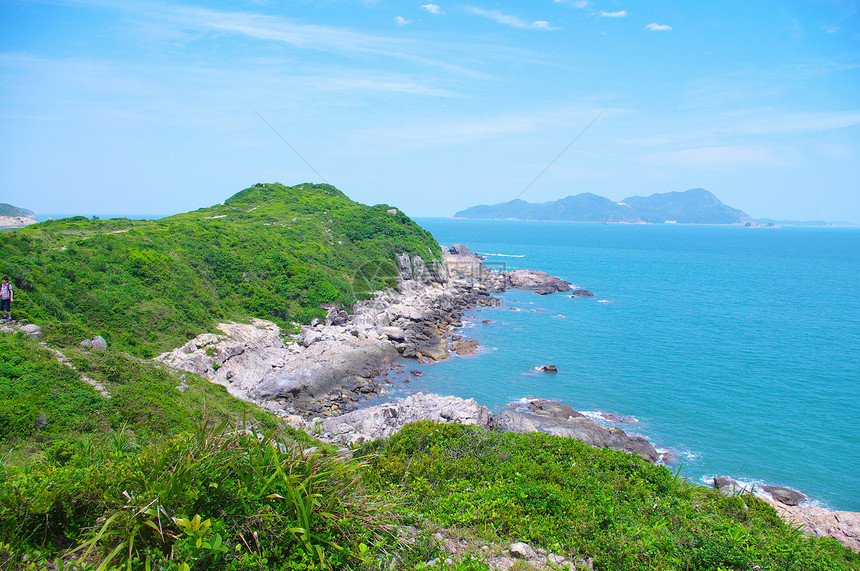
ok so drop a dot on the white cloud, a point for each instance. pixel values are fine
(510, 20)
(581, 4)
(383, 84)
(618, 14)
(655, 27)
(432, 8)
(401, 21)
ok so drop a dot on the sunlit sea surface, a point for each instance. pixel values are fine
(736, 349)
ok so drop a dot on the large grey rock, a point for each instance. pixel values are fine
(522, 550)
(536, 280)
(726, 485)
(99, 344)
(384, 420)
(560, 423)
(32, 330)
(326, 367)
(309, 336)
(784, 496)
(819, 522)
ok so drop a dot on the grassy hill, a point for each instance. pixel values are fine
(171, 472)
(271, 251)
(12, 211)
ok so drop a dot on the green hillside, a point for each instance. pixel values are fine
(9, 210)
(271, 251)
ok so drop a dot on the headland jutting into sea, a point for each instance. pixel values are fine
(325, 375)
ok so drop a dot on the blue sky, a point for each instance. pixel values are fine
(162, 107)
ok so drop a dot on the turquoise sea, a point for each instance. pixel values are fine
(737, 349)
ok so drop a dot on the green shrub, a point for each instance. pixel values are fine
(574, 499)
(223, 497)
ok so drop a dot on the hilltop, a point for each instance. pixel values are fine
(271, 251)
(694, 206)
(14, 217)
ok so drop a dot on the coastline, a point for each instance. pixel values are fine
(320, 377)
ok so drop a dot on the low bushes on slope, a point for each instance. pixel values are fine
(225, 497)
(573, 499)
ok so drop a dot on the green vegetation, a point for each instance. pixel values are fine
(173, 473)
(571, 498)
(12, 211)
(270, 251)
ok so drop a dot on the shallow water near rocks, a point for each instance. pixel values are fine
(736, 349)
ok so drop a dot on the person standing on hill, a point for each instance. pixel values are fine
(7, 294)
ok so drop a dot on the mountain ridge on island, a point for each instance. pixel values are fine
(694, 206)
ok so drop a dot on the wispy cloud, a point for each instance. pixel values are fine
(510, 20)
(655, 27)
(618, 14)
(401, 21)
(389, 85)
(432, 8)
(581, 4)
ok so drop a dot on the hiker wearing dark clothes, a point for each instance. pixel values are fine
(7, 294)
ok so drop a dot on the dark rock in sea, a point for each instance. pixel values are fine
(416, 373)
(544, 418)
(548, 369)
(465, 347)
(785, 496)
(535, 280)
(581, 293)
(552, 408)
(721, 482)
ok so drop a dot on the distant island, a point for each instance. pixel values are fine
(14, 217)
(694, 206)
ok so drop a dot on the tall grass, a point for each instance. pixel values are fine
(226, 497)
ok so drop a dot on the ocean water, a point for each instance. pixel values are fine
(736, 349)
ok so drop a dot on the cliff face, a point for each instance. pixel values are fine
(694, 206)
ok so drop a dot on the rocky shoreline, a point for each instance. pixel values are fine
(15, 221)
(331, 367)
(316, 380)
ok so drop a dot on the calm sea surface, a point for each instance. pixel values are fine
(738, 349)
